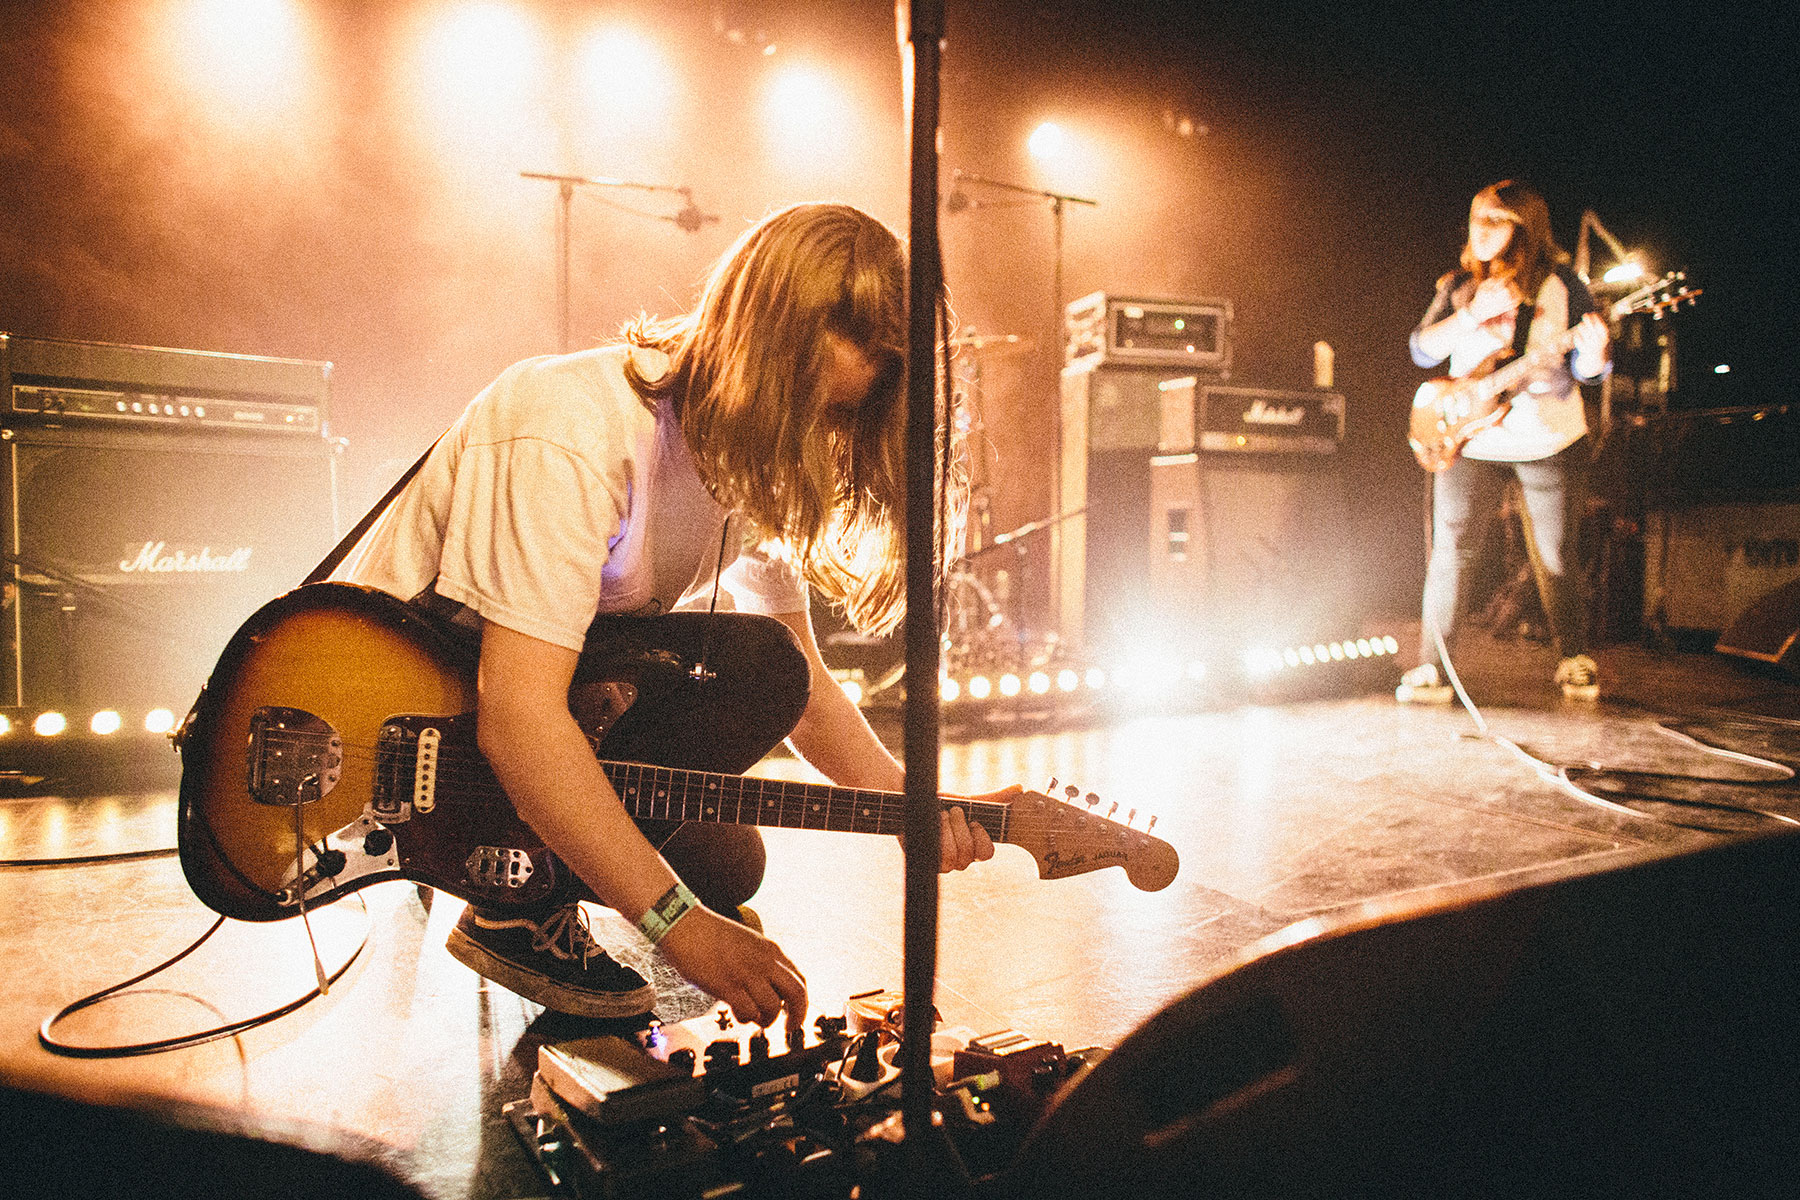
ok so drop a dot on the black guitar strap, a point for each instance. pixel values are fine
(330, 562)
(1522, 328)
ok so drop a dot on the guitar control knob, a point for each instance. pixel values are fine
(331, 863)
(378, 843)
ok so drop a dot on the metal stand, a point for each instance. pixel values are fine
(689, 218)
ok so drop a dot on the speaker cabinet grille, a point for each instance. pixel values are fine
(132, 559)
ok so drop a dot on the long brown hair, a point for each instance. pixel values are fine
(743, 375)
(1532, 253)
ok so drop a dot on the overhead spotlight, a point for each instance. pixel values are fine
(980, 687)
(159, 720)
(1095, 678)
(105, 722)
(1625, 272)
(50, 724)
(1039, 683)
(1390, 645)
(1009, 684)
(1047, 141)
(1068, 680)
(5, 725)
(852, 689)
(949, 690)
(1307, 656)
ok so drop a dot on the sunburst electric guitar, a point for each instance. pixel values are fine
(1446, 413)
(334, 747)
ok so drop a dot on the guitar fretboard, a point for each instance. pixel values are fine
(668, 794)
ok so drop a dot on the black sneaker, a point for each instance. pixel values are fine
(553, 961)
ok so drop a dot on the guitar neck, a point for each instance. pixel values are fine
(669, 794)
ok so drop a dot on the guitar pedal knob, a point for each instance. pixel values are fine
(722, 1053)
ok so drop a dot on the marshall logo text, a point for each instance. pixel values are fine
(157, 558)
(1261, 412)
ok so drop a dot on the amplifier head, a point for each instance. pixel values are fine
(1189, 334)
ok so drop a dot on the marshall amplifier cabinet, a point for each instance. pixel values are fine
(1194, 335)
(96, 385)
(135, 543)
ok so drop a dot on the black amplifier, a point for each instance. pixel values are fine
(49, 382)
(1191, 335)
(1248, 420)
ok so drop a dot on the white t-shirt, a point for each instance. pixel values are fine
(558, 495)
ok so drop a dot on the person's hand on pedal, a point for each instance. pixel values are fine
(740, 966)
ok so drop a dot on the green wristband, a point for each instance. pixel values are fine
(675, 904)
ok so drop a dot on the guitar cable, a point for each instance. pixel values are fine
(1567, 778)
(50, 1042)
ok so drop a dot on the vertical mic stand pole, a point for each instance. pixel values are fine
(565, 197)
(929, 1163)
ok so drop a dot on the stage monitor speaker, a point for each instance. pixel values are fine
(1618, 1030)
(1767, 631)
(132, 557)
(175, 1150)
(1704, 566)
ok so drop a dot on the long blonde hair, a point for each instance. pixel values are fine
(1532, 253)
(743, 376)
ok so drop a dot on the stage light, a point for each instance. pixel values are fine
(1039, 683)
(980, 687)
(1009, 685)
(250, 54)
(949, 690)
(1337, 651)
(852, 689)
(1722, 369)
(477, 66)
(1390, 645)
(1363, 647)
(1625, 272)
(1067, 679)
(1291, 657)
(1260, 662)
(1047, 142)
(625, 74)
(105, 722)
(159, 720)
(49, 724)
(1350, 650)
(1306, 655)
(806, 115)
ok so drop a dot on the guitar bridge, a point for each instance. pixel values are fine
(499, 867)
(293, 758)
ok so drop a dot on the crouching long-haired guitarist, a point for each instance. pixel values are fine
(498, 694)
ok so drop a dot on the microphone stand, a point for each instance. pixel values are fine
(565, 192)
(1059, 202)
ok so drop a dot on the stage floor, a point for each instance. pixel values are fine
(1280, 812)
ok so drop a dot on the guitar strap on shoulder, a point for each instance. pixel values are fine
(330, 562)
(1522, 328)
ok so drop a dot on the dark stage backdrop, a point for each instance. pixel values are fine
(341, 182)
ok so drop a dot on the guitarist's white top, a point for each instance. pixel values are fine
(1546, 415)
(557, 495)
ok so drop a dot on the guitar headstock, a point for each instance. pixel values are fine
(1077, 834)
(1664, 295)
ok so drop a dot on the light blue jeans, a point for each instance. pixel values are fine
(1464, 498)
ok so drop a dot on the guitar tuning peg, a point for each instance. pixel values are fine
(1152, 824)
(1113, 809)
(1131, 816)
(1093, 798)
(1071, 792)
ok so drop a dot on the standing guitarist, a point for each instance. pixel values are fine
(623, 479)
(1512, 292)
